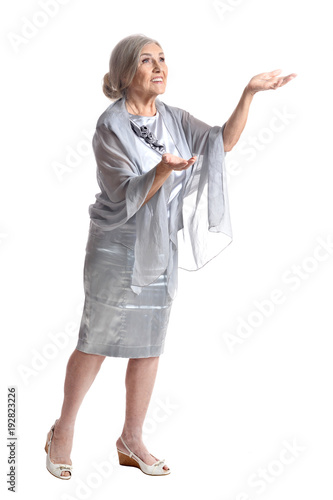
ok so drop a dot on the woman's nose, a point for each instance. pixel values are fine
(157, 66)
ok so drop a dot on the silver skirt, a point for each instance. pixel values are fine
(116, 321)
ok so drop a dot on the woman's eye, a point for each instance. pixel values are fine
(148, 59)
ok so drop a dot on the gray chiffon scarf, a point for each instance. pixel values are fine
(189, 231)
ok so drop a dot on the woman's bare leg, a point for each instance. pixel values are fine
(81, 371)
(140, 379)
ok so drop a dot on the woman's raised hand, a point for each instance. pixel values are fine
(176, 163)
(268, 80)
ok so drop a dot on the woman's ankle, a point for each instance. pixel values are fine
(132, 436)
(64, 425)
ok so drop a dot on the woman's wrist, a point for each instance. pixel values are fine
(163, 168)
(248, 93)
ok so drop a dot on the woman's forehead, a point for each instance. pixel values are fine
(151, 48)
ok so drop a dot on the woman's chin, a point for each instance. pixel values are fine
(159, 89)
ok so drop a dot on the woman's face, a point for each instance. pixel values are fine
(151, 76)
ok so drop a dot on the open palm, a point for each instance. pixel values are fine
(268, 80)
(176, 163)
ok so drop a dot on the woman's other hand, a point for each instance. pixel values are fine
(164, 169)
(175, 163)
(268, 80)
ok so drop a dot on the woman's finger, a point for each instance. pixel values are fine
(188, 164)
(268, 74)
(176, 163)
(275, 72)
(287, 78)
(279, 82)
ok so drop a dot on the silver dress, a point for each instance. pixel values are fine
(115, 320)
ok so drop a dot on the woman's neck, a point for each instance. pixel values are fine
(139, 106)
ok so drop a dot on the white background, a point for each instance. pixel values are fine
(220, 416)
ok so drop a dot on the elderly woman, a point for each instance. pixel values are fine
(162, 177)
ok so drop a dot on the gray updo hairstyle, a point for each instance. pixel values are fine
(123, 64)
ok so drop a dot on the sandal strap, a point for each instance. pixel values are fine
(159, 463)
(127, 448)
(57, 466)
(63, 466)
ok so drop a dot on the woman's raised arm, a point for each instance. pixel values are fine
(237, 121)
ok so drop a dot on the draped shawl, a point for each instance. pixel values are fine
(187, 232)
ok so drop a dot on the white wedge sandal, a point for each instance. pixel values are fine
(132, 460)
(56, 469)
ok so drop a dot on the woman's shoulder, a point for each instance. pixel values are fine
(107, 116)
(174, 109)
(176, 113)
